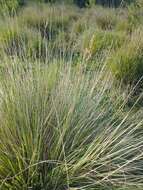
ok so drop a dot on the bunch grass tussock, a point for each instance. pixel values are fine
(61, 129)
(127, 62)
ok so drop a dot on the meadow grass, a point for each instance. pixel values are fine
(127, 61)
(60, 128)
(65, 120)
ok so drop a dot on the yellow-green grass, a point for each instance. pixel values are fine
(64, 124)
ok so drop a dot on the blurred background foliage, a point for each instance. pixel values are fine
(13, 4)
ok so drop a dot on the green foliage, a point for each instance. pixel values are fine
(8, 6)
(96, 42)
(135, 16)
(11, 38)
(47, 20)
(106, 19)
(127, 62)
(65, 122)
(21, 42)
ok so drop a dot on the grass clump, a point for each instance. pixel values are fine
(105, 19)
(127, 62)
(21, 42)
(11, 37)
(59, 131)
(8, 6)
(48, 20)
(96, 42)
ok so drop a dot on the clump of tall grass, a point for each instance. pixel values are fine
(61, 129)
(106, 19)
(99, 18)
(48, 20)
(127, 62)
(8, 6)
(97, 41)
(11, 37)
(20, 41)
(135, 16)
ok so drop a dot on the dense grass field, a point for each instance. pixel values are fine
(71, 98)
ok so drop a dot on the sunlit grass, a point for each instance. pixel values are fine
(65, 122)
